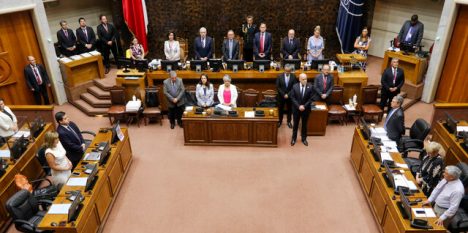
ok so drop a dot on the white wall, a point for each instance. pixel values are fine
(389, 16)
(72, 10)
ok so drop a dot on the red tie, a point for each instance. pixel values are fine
(394, 76)
(324, 84)
(261, 43)
(66, 33)
(38, 78)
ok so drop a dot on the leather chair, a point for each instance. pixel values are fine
(268, 99)
(184, 49)
(417, 133)
(369, 106)
(281, 48)
(24, 209)
(250, 98)
(459, 221)
(335, 105)
(152, 105)
(117, 108)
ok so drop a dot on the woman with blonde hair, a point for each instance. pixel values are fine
(431, 168)
(315, 46)
(56, 157)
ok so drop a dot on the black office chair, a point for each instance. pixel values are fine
(417, 133)
(24, 209)
(459, 221)
(88, 141)
(43, 161)
(414, 163)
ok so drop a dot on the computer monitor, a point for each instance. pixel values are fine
(216, 64)
(91, 180)
(75, 207)
(317, 64)
(36, 127)
(407, 47)
(465, 140)
(105, 152)
(406, 204)
(169, 65)
(235, 65)
(261, 65)
(451, 124)
(294, 63)
(365, 130)
(141, 65)
(198, 65)
(115, 132)
(389, 174)
(376, 153)
(19, 147)
(126, 63)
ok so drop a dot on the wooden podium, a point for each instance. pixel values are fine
(352, 82)
(132, 81)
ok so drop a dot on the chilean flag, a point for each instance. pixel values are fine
(135, 16)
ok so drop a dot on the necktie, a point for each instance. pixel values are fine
(286, 81)
(8, 114)
(36, 74)
(203, 42)
(290, 42)
(86, 34)
(302, 90)
(409, 34)
(261, 42)
(66, 33)
(73, 131)
(394, 75)
(324, 84)
(388, 118)
(230, 49)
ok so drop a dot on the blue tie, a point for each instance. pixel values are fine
(388, 117)
(230, 49)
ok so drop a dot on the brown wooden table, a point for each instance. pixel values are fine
(455, 153)
(348, 57)
(318, 119)
(352, 82)
(210, 129)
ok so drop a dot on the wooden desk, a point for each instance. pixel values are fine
(318, 120)
(131, 81)
(454, 151)
(348, 57)
(352, 82)
(98, 202)
(378, 194)
(27, 165)
(414, 66)
(31, 112)
(457, 110)
(231, 131)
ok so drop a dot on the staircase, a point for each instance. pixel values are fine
(96, 99)
(407, 102)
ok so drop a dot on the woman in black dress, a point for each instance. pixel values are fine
(431, 169)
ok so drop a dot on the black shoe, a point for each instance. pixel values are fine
(107, 70)
(180, 125)
(279, 124)
(172, 126)
(293, 141)
(290, 125)
(305, 142)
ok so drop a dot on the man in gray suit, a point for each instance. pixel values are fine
(230, 47)
(323, 84)
(411, 32)
(174, 91)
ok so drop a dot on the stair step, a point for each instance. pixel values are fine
(99, 93)
(407, 103)
(95, 102)
(88, 109)
(403, 94)
(105, 84)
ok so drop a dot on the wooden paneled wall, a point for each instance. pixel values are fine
(218, 16)
(454, 80)
(17, 41)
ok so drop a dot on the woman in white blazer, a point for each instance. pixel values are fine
(172, 47)
(8, 122)
(227, 93)
(204, 92)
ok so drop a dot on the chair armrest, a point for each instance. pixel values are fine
(40, 180)
(414, 150)
(88, 132)
(29, 225)
(415, 140)
(45, 201)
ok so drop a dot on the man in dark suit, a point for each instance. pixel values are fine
(70, 137)
(230, 47)
(37, 80)
(203, 46)
(411, 32)
(174, 91)
(86, 37)
(284, 84)
(107, 34)
(392, 80)
(323, 84)
(66, 39)
(395, 121)
(291, 46)
(262, 44)
(249, 29)
(301, 98)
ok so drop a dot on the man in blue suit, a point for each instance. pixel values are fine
(70, 137)
(262, 44)
(203, 46)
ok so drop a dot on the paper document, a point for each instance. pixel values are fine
(22, 133)
(76, 57)
(383, 138)
(402, 165)
(423, 213)
(65, 60)
(378, 132)
(321, 107)
(349, 107)
(386, 156)
(224, 107)
(131, 77)
(86, 55)
(462, 128)
(401, 181)
(95, 53)
(78, 181)
(5, 154)
(189, 108)
(93, 156)
(59, 209)
(249, 114)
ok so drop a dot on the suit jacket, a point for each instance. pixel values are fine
(6, 123)
(235, 49)
(281, 84)
(81, 37)
(297, 99)
(109, 35)
(70, 142)
(64, 41)
(266, 45)
(318, 84)
(387, 80)
(249, 35)
(417, 32)
(204, 98)
(207, 51)
(172, 52)
(291, 49)
(179, 93)
(234, 94)
(31, 79)
(396, 125)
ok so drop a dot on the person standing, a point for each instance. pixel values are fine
(315, 46)
(361, 44)
(411, 32)
(172, 47)
(262, 44)
(248, 32)
(230, 47)
(392, 80)
(66, 39)
(70, 137)
(37, 80)
(8, 121)
(174, 91)
(323, 84)
(107, 34)
(203, 46)
(301, 98)
(85, 36)
(284, 84)
(291, 46)
(395, 121)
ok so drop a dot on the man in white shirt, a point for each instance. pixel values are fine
(8, 121)
(447, 195)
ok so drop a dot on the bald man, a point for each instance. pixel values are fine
(291, 46)
(230, 47)
(37, 80)
(203, 47)
(301, 98)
